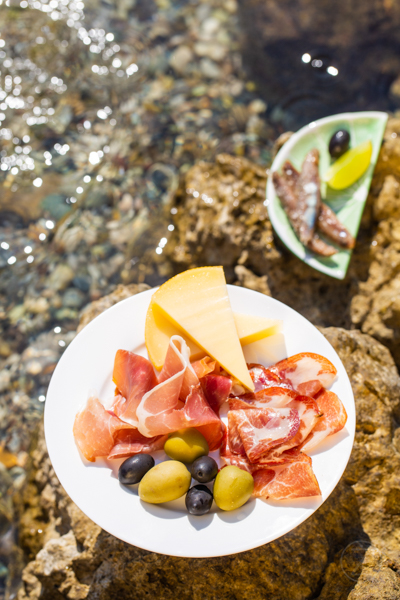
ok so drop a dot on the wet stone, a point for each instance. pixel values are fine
(73, 298)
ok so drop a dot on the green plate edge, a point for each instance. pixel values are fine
(348, 204)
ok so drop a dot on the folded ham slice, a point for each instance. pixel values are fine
(204, 366)
(263, 429)
(309, 415)
(293, 479)
(95, 430)
(130, 441)
(263, 377)
(273, 397)
(134, 376)
(333, 419)
(305, 367)
(216, 389)
(178, 401)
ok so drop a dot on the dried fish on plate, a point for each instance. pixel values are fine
(300, 196)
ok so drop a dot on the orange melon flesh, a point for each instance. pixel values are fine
(158, 331)
(197, 303)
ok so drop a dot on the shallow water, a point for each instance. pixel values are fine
(103, 109)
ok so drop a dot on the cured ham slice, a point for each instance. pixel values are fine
(134, 376)
(204, 366)
(310, 388)
(130, 441)
(264, 378)
(293, 479)
(95, 430)
(309, 415)
(216, 389)
(305, 367)
(262, 429)
(333, 419)
(162, 411)
(273, 397)
(235, 444)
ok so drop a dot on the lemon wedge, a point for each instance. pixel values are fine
(349, 167)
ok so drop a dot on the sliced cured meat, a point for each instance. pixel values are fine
(177, 366)
(235, 444)
(310, 388)
(204, 366)
(264, 378)
(263, 429)
(130, 441)
(95, 429)
(333, 419)
(161, 410)
(216, 389)
(309, 415)
(273, 397)
(134, 376)
(293, 479)
(305, 367)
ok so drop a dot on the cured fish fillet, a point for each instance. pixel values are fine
(327, 222)
(287, 193)
(308, 197)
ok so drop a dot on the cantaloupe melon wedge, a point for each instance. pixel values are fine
(197, 303)
(159, 329)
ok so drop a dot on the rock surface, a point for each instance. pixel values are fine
(222, 219)
(347, 549)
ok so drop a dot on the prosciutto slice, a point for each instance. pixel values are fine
(204, 366)
(264, 378)
(178, 401)
(309, 415)
(216, 389)
(95, 430)
(305, 367)
(333, 419)
(273, 397)
(293, 479)
(134, 376)
(131, 441)
(262, 429)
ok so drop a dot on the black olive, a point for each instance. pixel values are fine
(134, 468)
(204, 469)
(339, 143)
(199, 500)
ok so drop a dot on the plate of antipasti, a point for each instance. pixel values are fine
(199, 419)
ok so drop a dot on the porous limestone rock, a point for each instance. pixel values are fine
(376, 306)
(222, 219)
(347, 549)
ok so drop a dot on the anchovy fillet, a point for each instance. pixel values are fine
(327, 222)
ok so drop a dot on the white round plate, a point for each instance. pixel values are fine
(86, 366)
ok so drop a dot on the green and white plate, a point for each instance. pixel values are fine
(348, 204)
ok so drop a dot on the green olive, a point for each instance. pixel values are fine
(232, 488)
(166, 481)
(186, 445)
